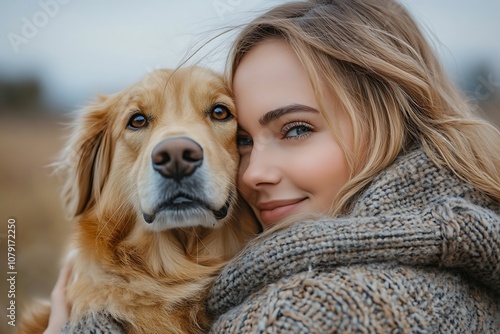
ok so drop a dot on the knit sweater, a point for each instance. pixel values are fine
(419, 252)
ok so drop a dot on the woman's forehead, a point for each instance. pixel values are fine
(271, 76)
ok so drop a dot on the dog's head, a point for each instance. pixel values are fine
(164, 148)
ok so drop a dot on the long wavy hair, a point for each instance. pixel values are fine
(384, 75)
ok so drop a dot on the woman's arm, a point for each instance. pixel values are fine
(366, 298)
(452, 234)
(59, 313)
(99, 323)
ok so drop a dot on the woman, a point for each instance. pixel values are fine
(346, 114)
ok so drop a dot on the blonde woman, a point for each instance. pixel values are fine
(345, 114)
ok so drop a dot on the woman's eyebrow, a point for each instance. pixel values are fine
(277, 113)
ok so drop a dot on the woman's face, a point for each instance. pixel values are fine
(290, 161)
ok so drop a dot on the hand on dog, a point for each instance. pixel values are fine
(60, 309)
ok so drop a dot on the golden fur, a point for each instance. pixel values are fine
(152, 277)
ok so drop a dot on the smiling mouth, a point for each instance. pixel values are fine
(185, 203)
(271, 205)
(274, 211)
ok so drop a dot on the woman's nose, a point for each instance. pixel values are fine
(260, 168)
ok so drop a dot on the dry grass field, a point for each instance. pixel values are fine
(30, 195)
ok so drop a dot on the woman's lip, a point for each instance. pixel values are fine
(274, 211)
(276, 204)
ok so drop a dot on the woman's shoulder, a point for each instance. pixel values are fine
(414, 181)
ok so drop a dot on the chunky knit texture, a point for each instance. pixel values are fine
(419, 253)
(100, 323)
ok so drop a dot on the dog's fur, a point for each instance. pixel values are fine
(145, 262)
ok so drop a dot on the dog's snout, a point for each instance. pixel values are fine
(177, 157)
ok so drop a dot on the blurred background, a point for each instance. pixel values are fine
(56, 55)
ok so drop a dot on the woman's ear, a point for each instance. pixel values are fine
(86, 160)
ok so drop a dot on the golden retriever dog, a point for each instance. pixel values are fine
(151, 184)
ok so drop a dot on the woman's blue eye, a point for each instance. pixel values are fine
(244, 141)
(297, 131)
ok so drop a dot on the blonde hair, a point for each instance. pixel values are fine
(373, 57)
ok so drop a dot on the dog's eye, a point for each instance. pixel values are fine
(220, 113)
(137, 121)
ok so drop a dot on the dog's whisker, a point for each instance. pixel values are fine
(117, 215)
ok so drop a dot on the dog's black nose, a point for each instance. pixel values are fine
(177, 157)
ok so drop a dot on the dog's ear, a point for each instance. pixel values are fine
(86, 160)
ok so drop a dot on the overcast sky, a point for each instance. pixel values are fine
(81, 48)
